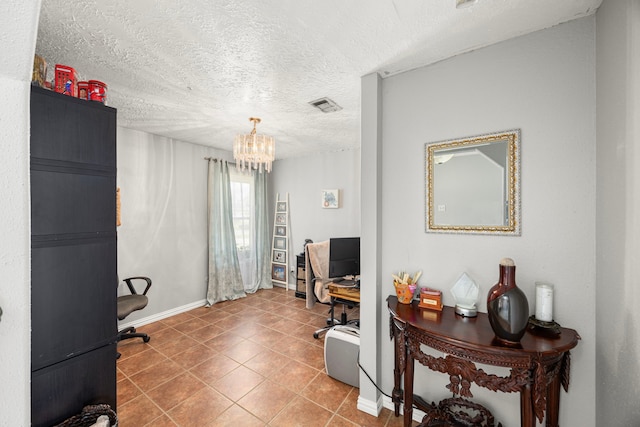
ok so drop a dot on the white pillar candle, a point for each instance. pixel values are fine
(544, 301)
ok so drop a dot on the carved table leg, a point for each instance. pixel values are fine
(553, 402)
(396, 396)
(400, 355)
(527, 415)
(397, 372)
(408, 391)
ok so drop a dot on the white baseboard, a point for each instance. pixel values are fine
(289, 286)
(417, 413)
(163, 315)
(369, 406)
(374, 408)
(177, 310)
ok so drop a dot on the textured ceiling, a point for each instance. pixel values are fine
(196, 70)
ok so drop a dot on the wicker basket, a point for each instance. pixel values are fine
(89, 416)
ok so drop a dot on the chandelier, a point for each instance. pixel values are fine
(253, 151)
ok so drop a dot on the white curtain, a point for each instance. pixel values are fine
(225, 279)
(263, 240)
(249, 194)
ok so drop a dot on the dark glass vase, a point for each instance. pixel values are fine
(507, 306)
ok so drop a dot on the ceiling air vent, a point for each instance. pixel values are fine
(325, 105)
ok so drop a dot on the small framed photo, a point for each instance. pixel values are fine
(281, 230)
(280, 243)
(281, 206)
(279, 256)
(331, 199)
(279, 272)
(281, 219)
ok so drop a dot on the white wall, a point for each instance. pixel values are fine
(304, 178)
(163, 190)
(618, 211)
(544, 84)
(18, 26)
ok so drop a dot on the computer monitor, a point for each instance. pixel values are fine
(344, 256)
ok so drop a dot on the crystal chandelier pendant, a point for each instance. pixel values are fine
(254, 151)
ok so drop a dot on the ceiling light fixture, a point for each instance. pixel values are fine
(253, 151)
(461, 4)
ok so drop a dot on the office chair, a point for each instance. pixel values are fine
(127, 304)
(332, 321)
(316, 278)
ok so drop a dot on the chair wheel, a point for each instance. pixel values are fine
(146, 339)
(315, 335)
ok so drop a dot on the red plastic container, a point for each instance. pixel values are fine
(97, 91)
(66, 80)
(83, 90)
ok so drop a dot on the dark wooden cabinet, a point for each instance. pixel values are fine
(74, 256)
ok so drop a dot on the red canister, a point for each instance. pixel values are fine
(66, 80)
(97, 91)
(83, 90)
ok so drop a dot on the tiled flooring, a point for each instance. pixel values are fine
(249, 362)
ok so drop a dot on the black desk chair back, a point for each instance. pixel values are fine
(127, 304)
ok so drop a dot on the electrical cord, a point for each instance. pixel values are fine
(374, 383)
(371, 379)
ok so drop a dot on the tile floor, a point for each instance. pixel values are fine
(249, 362)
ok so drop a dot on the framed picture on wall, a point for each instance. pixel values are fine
(279, 256)
(279, 272)
(280, 243)
(331, 199)
(281, 206)
(281, 230)
(281, 219)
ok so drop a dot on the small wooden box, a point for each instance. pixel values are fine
(431, 299)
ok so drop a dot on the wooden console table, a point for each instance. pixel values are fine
(538, 366)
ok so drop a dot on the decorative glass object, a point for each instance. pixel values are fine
(507, 306)
(465, 291)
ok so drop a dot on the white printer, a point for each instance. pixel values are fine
(341, 351)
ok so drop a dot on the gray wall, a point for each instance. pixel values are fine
(304, 178)
(618, 210)
(544, 84)
(163, 185)
(163, 191)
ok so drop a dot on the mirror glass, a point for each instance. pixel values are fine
(473, 184)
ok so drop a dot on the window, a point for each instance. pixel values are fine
(243, 206)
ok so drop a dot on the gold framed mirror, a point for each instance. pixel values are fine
(473, 184)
